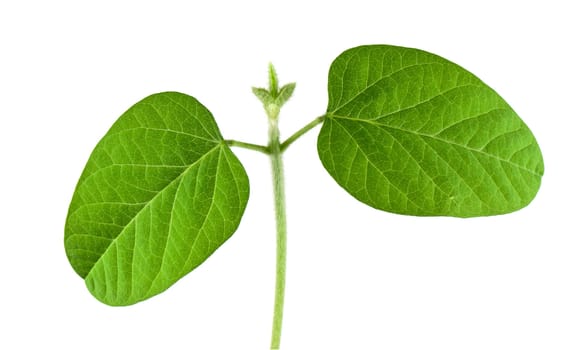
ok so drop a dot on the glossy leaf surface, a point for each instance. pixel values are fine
(159, 194)
(409, 132)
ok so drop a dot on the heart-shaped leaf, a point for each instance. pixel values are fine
(409, 132)
(159, 194)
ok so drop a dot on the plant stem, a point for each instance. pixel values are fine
(246, 145)
(275, 150)
(280, 211)
(272, 101)
(301, 132)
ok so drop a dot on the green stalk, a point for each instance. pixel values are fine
(280, 211)
(247, 145)
(301, 132)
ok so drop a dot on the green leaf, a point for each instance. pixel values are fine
(285, 94)
(159, 194)
(272, 80)
(409, 132)
(263, 95)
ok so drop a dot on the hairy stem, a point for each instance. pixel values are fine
(280, 211)
(273, 99)
(301, 132)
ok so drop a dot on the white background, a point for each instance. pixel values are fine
(357, 278)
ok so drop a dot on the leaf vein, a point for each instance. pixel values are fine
(435, 137)
(178, 178)
(383, 78)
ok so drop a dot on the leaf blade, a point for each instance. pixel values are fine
(145, 197)
(439, 141)
(285, 94)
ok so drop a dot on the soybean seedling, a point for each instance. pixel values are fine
(405, 131)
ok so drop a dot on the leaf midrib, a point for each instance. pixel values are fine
(114, 240)
(163, 258)
(433, 137)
